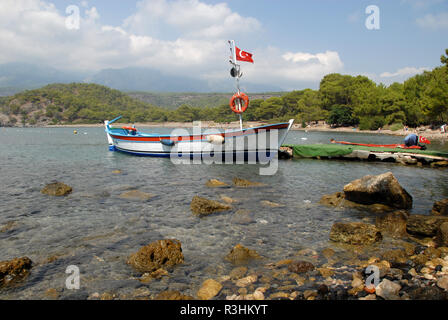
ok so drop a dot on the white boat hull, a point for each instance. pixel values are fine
(253, 142)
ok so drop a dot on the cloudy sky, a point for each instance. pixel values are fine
(294, 43)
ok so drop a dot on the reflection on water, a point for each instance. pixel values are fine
(95, 230)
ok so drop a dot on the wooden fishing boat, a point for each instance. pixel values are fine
(254, 143)
(260, 143)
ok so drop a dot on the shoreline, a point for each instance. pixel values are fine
(425, 131)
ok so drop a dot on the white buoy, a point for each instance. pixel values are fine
(215, 139)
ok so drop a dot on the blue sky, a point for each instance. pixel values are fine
(294, 43)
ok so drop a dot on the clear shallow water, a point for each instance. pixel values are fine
(95, 230)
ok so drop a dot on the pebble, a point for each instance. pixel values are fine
(443, 283)
(258, 295)
(243, 282)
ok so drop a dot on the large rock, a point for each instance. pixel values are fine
(14, 269)
(383, 188)
(338, 199)
(241, 255)
(156, 255)
(203, 207)
(442, 235)
(393, 223)
(56, 189)
(209, 289)
(424, 225)
(440, 208)
(388, 290)
(357, 233)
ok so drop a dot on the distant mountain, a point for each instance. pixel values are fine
(19, 76)
(150, 80)
(144, 79)
(15, 77)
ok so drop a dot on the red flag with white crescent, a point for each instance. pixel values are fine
(243, 55)
(424, 140)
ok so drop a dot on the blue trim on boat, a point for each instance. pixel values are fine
(269, 154)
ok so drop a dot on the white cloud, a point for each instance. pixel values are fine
(404, 72)
(190, 17)
(184, 37)
(434, 21)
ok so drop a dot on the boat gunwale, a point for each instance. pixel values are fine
(165, 136)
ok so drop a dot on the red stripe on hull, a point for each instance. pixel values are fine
(203, 137)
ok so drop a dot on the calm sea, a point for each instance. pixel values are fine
(95, 230)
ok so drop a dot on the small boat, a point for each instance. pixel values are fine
(259, 143)
(252, 143)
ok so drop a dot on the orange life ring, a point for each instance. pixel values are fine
(129, 128)
(241, 96)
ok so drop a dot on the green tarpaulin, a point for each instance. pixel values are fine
(338, 150)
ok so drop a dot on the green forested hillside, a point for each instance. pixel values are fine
(341, 100)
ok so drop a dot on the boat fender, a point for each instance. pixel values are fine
(244, 102)
(167, 142)
(215, 139)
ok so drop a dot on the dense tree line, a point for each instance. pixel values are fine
(341, 100)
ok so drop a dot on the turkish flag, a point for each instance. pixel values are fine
(424, 140)
(243, 55)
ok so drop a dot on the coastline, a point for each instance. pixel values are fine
(425, 131)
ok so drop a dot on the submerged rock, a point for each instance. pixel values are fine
(357, 233)
(424, 225)
(156, 255)
(227, 199)
(440, 208)
(271, 204)
(442, 235)
(246, 183)
(393, 224)
(56, 189)
(172, 295)
(243, 217)
(209, 289)
(238, 273)
(427, 293)
(338, 199)
(300, 266)
(383, 188)
(214, 183)
(203, 207)
(244, 282)
(241, 255)
(136, 195)
(8, 226)
(13, 270)
(395, 257)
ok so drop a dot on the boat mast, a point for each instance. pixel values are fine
(237, 77)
